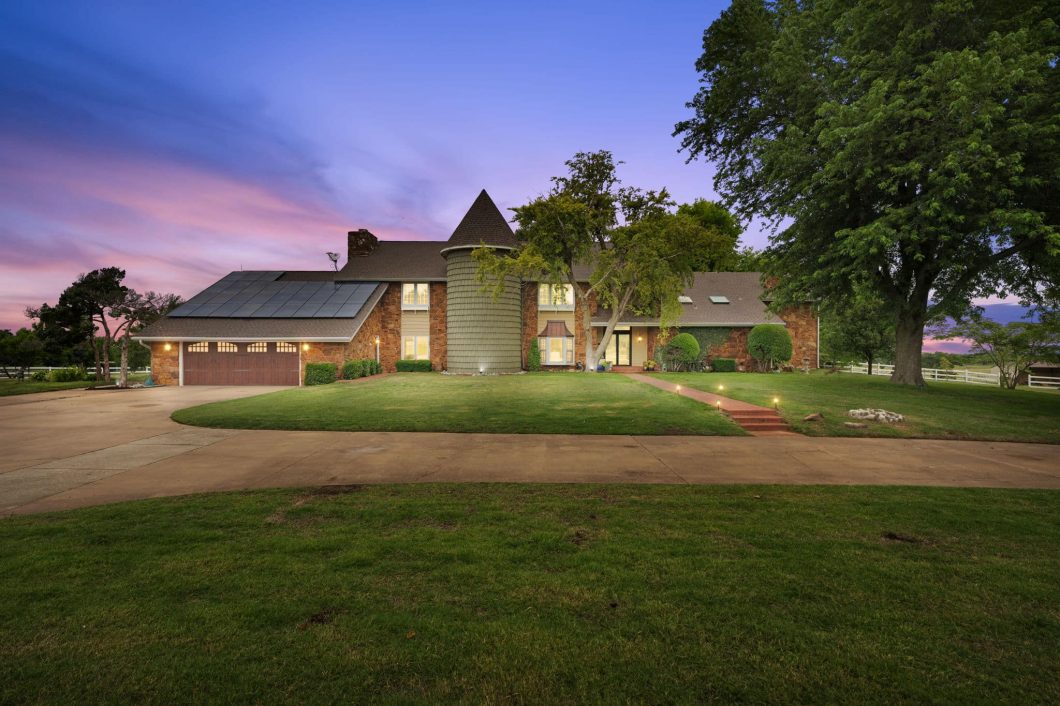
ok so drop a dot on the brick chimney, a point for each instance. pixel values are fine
(361, 243)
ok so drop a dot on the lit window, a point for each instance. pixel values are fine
(200, 347)
(283, 347)
(416, 348)
(226, 347)
(555, 297)
(557, 350)
(259, 347)
(415, 295)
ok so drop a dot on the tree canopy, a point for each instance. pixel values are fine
(1011, 347)
(624, 247)
(905, 146)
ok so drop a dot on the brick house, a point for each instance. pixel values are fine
(422, 300)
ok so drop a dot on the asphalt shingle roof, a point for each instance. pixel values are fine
(746, 306)
(483, 223)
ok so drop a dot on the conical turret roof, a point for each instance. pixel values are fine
(483, 223)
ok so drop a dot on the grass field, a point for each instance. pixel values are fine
(543, 403)
(537, 594)
(939, 411)
(10, 387)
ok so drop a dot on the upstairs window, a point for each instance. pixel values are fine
(415, 296)
(555, 297)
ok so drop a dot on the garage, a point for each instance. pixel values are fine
(240, 363)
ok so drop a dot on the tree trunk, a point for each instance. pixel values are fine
(98, 368)
(107, 343)
(123, 380)
(909, 344)
(869, 359)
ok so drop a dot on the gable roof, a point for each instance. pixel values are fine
(746, 305)
(482, 224)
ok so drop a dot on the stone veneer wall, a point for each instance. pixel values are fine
(165, 365)
(439, 340)
(384, 322)
(802, 325)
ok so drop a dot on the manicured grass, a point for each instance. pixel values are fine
(541, 403)
(537, 594)
(940, 411)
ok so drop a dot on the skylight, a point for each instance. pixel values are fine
(684, 299)
(717, 299)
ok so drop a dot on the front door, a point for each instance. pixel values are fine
(620, 348)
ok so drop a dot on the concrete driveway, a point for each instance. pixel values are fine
(71, 449)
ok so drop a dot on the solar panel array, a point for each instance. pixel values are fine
(257, 295)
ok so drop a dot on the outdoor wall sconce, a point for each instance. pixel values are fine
(305, 346)
(167, 347)
(640, 338)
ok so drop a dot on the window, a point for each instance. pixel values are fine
(685, 299)
(717, 299)
(283, 347)
(415, 296)
(555, 297)
(558, 350)
(259, 347)
(416, 348)
(200, 347)
(226, 347)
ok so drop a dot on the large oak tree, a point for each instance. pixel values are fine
(909, 146)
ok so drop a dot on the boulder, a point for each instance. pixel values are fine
(875, 415)
(855, 425)
(815, 417)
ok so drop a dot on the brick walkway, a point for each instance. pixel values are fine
(760, 421)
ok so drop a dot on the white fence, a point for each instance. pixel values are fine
(1043, 381)
(115, 370)
(937, 374)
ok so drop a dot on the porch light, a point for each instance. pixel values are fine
(305, 346)
(167, 347)
(377, 340)
(640, 338)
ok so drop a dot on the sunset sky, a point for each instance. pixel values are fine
(186, 141)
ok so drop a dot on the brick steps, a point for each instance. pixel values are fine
(754, 420)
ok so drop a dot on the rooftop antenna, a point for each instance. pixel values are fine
(334, 257)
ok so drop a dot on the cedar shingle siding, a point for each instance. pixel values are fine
(483, 331)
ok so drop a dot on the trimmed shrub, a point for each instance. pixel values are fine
(39, 376)
(770, 345)
(682, 352)
(66, 375)
(533, 356)
(320, 373)
(353, 369)
(723, 365)
(375, 368)
(414, 366)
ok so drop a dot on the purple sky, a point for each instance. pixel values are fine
(188, 141)
(185, 141)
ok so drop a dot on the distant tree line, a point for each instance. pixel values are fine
(89, 327)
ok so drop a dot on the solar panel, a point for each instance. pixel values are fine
(258, 294)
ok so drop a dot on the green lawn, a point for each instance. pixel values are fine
(537, 594)
(10, 387)
(542, 403)
(941, 410)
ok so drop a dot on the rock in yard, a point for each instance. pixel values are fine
(815, 417)
(875, 415)
(854, 425)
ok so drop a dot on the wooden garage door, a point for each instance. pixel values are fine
(225, 363)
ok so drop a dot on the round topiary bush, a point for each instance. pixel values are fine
(682, 351)
(770, 344)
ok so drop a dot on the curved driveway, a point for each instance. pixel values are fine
(71, 449)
